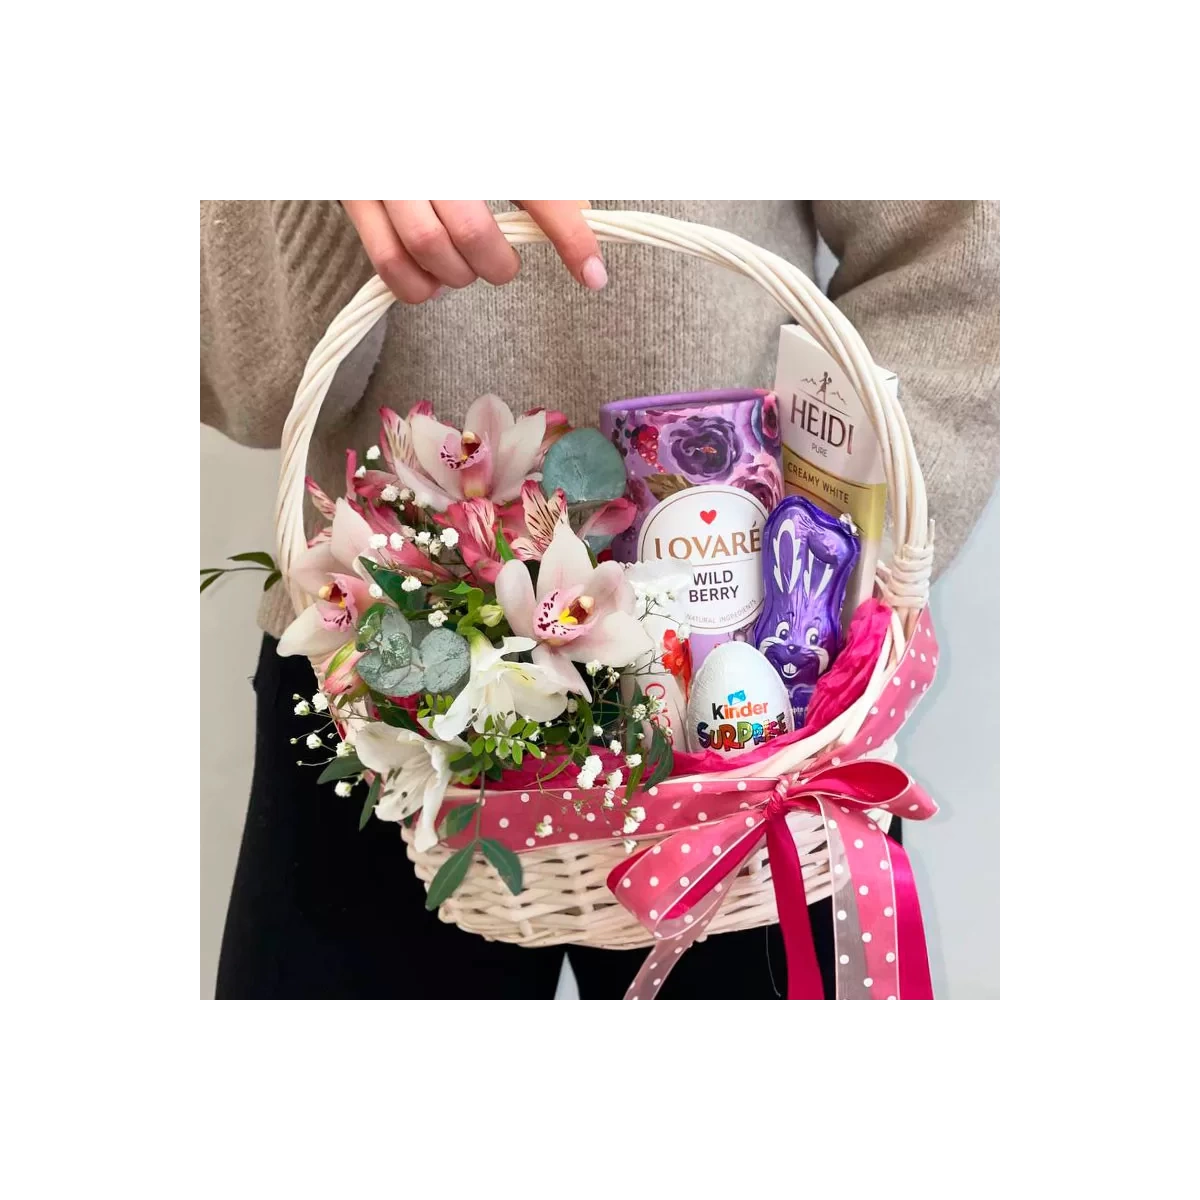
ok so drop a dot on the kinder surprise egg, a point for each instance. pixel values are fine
(737, 702)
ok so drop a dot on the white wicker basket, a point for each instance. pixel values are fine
(565, 898)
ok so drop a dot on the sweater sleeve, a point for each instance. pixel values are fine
(273, 275)
(921, 282)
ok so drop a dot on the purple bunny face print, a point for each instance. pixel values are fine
(807, 560)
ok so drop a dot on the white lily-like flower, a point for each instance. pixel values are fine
(499, 688)
(420, 770)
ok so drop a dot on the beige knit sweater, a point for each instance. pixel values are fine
(919, 279)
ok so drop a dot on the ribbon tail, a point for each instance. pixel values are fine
(912, 952)
(661, 960)
(803, 971)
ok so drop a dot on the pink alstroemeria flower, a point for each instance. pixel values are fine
(396, 435)
(410, 557)
(370, 484)
(579, 613)
(337, 674)
(475, 521)
(321, 501)
(542, 516)
(490, 458)
(395, 440)
(613, 517)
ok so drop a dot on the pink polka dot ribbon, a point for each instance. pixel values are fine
(676, 887)
(705, 829)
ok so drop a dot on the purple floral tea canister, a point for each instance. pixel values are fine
(703, 469)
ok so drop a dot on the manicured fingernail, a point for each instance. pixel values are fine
(594, 274)
(437, 293)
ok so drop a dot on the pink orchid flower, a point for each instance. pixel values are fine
(579, 613)
(330, 571)
(490, 458)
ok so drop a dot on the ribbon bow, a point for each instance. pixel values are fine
(676, 887)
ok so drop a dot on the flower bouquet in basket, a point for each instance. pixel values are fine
(508, 667)
(466, 633)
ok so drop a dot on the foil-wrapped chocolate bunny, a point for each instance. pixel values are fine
(807, 559)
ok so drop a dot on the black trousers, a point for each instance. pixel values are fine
(322, 911)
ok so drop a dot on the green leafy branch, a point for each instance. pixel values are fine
(502, 743)
(454, 870)
(261, 561)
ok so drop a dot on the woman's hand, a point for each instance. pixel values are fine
(421, 247)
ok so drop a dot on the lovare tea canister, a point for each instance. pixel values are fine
(703, 469)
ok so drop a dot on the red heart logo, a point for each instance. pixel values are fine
(709, 517)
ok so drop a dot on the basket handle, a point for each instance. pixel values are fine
(904, 585)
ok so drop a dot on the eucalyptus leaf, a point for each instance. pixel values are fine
(368, 627)
(210, 580)
(586, 465)
(507, 864)
(390, 666)
(271, 580)
(341, 768)
(446, 657)
(450, 875)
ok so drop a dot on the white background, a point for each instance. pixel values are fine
(951, 744)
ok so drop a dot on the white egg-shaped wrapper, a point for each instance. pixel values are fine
(738, 702)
